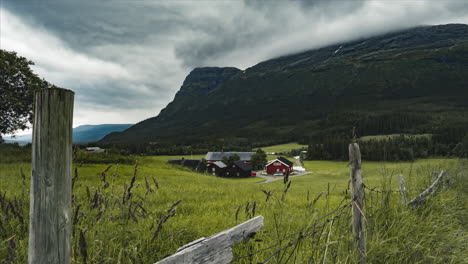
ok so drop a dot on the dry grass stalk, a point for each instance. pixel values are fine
(131, 214)
(170, 213)
(148, 187)
(132, 182)
(83, 247)
(12, 250)
(285, 191)
(75, 177)
(103, 173)
(76, 218)
(88, 193)
(268, 194)
(155, 183)
(286, 178)
(316, 199)
(97, 199)
(237, 212)
(124, 195)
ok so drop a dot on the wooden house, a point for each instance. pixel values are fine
(216, 168)
(280, 165)
(237, 169)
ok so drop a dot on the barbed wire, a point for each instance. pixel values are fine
(378, 191)
(307, 232)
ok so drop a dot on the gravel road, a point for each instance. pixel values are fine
(269, 178)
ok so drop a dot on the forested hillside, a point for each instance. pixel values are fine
(413, 82)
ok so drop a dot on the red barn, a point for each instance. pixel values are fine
(279, 165)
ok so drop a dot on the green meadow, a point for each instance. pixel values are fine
(284, 148)
(139, 214)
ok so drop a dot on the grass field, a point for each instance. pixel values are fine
(381, 137)
(141, 227)
(283, 148)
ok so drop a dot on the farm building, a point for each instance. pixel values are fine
(95, 149)
(216, 168)
(218, 156)
(281, 165)
(237, 169)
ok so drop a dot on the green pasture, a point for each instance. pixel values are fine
(139, 230)
(283, 148)
(382, 137)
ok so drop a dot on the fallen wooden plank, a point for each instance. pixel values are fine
(423, 196)
(216, 248)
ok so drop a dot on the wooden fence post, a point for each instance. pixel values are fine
(357, 196)
(50, 205)
(403, 195)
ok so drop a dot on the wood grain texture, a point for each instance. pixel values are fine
(426, 193)
(216, 248)
(401, 181)
(50, 205)
(357, 196)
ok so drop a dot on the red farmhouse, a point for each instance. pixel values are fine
(279, 165)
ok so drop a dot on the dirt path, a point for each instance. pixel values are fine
(269, 178)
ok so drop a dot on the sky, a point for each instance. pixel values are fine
(126, 59)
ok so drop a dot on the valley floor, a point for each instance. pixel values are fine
(133, 230)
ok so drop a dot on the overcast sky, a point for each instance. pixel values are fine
(126, 59)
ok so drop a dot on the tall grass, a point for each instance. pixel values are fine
(141, 213)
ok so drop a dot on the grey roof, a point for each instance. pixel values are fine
(244, 156)
(285, 160)
(242, 165)
(220, 164)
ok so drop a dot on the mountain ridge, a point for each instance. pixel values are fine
(322, 91)
(81, 134)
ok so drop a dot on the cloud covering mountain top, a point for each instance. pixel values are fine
(126, 59)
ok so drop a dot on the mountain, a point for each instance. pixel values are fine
(81, 134)
(412, 81)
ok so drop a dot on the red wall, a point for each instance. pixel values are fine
(272, 168)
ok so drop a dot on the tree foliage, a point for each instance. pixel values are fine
(17, 85)
(259, 159)
(231, 158)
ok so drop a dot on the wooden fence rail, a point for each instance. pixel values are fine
(216, 248)
(426, 193)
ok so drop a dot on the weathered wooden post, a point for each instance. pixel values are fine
(403, 195)
(50, 206)
(357, 196)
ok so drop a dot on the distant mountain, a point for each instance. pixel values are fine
(413, 81)
(81, 134)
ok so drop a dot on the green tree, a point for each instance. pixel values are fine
(230, 158)
(17, 85)
(202, 166)
(259, 159)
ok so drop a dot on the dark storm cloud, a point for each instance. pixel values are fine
(130, 57)
(85, 23)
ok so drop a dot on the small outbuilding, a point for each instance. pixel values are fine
(216, 168)
(280, 165)
(237, 169)
(95, 149)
